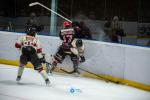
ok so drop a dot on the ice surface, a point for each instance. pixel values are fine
(32, 87)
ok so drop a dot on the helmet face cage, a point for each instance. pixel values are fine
(31, 31)
(79, 43)
(66, 24)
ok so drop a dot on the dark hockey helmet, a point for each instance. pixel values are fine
(31, 31)
(66, 24)
(75, 24)
(79, 43)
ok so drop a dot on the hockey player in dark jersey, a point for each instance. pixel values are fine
(31, 51)
(75, 51)
(67, 34)
(70, 46)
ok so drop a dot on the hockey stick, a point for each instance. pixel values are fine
(106, 80)
(71, 72)
(68, 72)
(47, 63)
(37, 3)
(93, 74)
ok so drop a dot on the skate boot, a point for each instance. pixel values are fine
(52, 69)
(47, 82)
(18, 78)
(76, 73)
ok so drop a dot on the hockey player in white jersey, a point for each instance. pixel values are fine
(31, 51)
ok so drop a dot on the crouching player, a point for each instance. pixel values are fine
(31, 51)
(75, 51)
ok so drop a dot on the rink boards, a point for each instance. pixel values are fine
(123, 63)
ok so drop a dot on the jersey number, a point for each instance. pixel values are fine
(28, 43)
(67, 38)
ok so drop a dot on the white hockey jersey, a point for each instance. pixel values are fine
(28, 40)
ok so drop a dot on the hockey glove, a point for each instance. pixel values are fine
(41, 57)
(42, 60)
(82, 59)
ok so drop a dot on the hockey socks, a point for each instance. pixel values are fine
(45, 77)
(20, 72)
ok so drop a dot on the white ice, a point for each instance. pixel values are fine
(32, 87)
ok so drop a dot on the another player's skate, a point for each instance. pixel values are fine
(76, 72)
(18, 78)
(47, 82)
(48, 68)
(52, 68)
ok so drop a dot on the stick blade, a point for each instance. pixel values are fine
(33, 4)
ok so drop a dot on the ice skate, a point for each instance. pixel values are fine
(47, 82)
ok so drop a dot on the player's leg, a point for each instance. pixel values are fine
(23, 61)
(75, 61)
(58, 58)
(38, 66)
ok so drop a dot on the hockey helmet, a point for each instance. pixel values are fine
(67, 24)
(31, 31)
(79, 43)
(115, 18)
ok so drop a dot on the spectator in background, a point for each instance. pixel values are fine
(85, 31)
(92, 14)
(148, 34)
(81, 30)
(32, 22)
(8, 26)
(116, 30)
(148, 30)
(114, 27)
(77, 29)
(148, 43)
(142, 30)
(107, 30)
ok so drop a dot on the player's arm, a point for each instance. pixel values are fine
(39, 49)
(39, 52)
(74, 51)
(60, 35)
(73, 48)
(81, 54)
(18, 43)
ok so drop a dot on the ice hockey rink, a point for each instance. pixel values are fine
(32, 87)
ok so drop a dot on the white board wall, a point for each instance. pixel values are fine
(122, 61)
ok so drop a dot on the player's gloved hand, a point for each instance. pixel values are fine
(42, 59)
(41, 56)
(82, 59)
